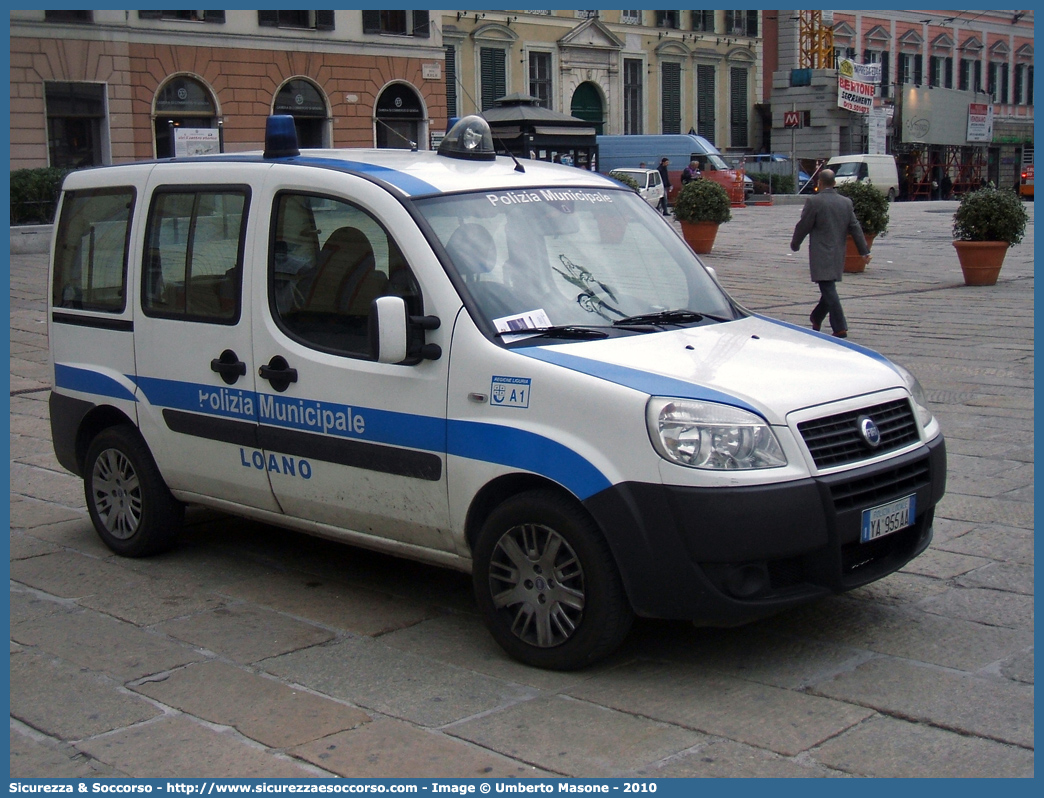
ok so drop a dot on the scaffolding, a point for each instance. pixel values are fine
(920, 166)
(815, 41)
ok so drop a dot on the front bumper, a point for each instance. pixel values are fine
(731, 555)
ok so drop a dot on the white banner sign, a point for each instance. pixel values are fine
(864, 73)
(854, 95)
(980, 122)
(878, 132)
(195, 141)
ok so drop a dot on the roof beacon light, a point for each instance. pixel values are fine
(470, 139)
(281, 137)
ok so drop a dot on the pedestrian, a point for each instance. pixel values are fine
(666, 180)
(828, 218)
(946, 184)
(690, 173)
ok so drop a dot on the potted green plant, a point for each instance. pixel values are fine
(701, 206)
(986, 223)
(871, 209)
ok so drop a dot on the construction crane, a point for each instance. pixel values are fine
(816, 39)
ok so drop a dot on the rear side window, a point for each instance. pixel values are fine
(329, 261)
(90, 257)
(193, 262)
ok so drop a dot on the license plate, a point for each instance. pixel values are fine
(888, 518)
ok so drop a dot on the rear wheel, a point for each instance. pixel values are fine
(132, 509)
(547, 583)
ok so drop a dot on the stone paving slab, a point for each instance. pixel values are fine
(903, 632)
(245, 634)
(374, 676)
(1019, 667)
(33, 755)
(985, 707)
(996, 542)
(889, 748)
(35, 513)
(25, 547)
(71, 575)
(941, 564)
(576, 738)
(990, 607)
(62, 701)
(783, 721)
(339, 605)
(392, 746)
(718, 759)
(259, 708)
(901, 588)
(103, 644)
(178, 746)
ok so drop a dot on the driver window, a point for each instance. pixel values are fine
(329, 260)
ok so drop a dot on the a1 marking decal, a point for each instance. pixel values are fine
(510, 391)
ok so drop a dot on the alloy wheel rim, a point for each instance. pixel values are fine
(116, 491)
(537, 584)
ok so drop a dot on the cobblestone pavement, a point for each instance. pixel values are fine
(252, 651)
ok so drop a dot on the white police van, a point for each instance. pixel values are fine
(517, 371)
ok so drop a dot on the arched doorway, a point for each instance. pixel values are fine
(399, 116)
(187, 103)
(587, 105)
(302, 100)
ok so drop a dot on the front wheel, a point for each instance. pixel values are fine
(547, 583)
(132, 509)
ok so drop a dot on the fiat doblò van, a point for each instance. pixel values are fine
(516, 370)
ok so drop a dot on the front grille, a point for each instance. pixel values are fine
(836, 440)
(881, 486)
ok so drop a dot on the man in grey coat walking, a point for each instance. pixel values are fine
(828, 218)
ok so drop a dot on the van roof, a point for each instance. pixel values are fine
(412, 174)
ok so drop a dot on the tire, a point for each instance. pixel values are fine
(547, 584)
(132, 509)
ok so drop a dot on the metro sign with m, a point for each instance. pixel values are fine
(791, 119)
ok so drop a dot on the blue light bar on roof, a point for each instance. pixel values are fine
(281, 137)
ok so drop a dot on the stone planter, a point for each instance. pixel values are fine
(854, 263)
(981, 260)
(700, 236)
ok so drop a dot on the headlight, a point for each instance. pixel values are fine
(708, 435)
(924, 414)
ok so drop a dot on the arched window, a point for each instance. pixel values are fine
(399, 117)
(302, 100)
(186, 103)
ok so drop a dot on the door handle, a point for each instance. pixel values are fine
(279, 373)
(229, 366)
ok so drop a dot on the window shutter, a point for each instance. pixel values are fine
(451, 81)
(421, 26)
(214, 16)
(738, 112)
(705, 93)
(948, 73)
(730, 19)
(671, 98)
(752, 23)
(918, 69)
(1018, 84)
(324, 20)
(494, 84)
(150, 15)
(371, 21)
(268, 19)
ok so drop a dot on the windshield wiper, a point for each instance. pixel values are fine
(558, 331)
(662, 317)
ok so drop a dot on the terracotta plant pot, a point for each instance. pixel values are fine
(853, 260)
(981, 260)
(700, 236)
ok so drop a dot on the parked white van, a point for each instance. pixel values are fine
(650, 184)
(879, 170)
(516, 370)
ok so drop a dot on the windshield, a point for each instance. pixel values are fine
(847, 169)
(541, 258)
(712, 162)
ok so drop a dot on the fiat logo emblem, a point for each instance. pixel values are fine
(868, 429)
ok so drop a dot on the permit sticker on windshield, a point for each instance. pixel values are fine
(509, 392)
(520, 322)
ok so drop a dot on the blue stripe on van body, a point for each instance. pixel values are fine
(406, 183)
(73, 378)
(644, 381)
(515, 448)
(483, 442)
